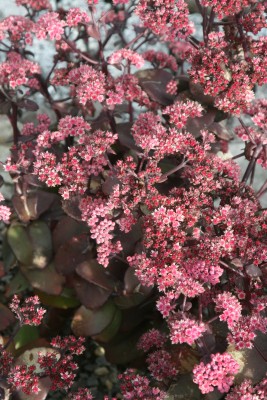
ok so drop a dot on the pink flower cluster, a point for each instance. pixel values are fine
(17, 71)
(230, 306)
(184, 329)
(218, 373)
(126, 54)
(4, 211)
(135, 386)
(30, 312)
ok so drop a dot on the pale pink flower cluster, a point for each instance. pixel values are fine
(87, 84)
(148, 132)
(5, 212)
(35, 4)
(230, 308)
(50, 24)
(16, 71)
(180, 111)
(17, 28)
(185, 330)
(76, 16)
(229, 7)
(218, 373)
(98, 214)
(246, 391)
(126, 54)
(161, 366)
(168, 18)
(160, 59)
(243, 332)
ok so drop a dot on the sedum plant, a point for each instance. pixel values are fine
(130, 221)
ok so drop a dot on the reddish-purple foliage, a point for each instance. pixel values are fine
(128, 138)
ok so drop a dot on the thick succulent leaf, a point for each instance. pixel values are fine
(154, 82)
(35, 204)
(71, 207)
(195, 125)
(72, 253)
(66, 299)
(184, 389)
(41, 239)
(90, 295)
(20, 243)
(25, 335)
(91, 322)
(65, 229)
(111, 330)
(252, 364)
(95, 273)
(47, 279)
(30, 358)
(125, 137)
(6, 317)
(17, 284)
(220, 131)
(123, 348)
(197, 93)
(129, 301)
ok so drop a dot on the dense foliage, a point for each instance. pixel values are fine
(130, 223)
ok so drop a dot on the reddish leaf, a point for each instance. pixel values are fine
(91, 322)
(194, 125)
(71, 207)
(72, 253)
(90, 295)
(35, 204)
(6, 317)
(220, 131)
(94, 273)
(47, 279)
(198, 94)
(65, 229)
(125, 137)
(130, 280)
(28, 105)
(154, 82)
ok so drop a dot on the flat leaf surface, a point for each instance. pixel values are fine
(89, 294)
(72, 253)
(66, 229)
(91, 322)
(6, 317)
(47, 279)
(95, 273)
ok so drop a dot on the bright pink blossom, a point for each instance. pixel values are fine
(218, 373)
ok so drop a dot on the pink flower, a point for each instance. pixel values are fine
(180, 111)
(230, 306)
(219, 372)
(126, 54)
(185, 330)
(30, 312)
(152, 338)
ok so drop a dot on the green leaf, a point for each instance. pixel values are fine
(17, 284)
(41, 239)
(66, 299)
(20, 243)
(111, 330)
(25, 335)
